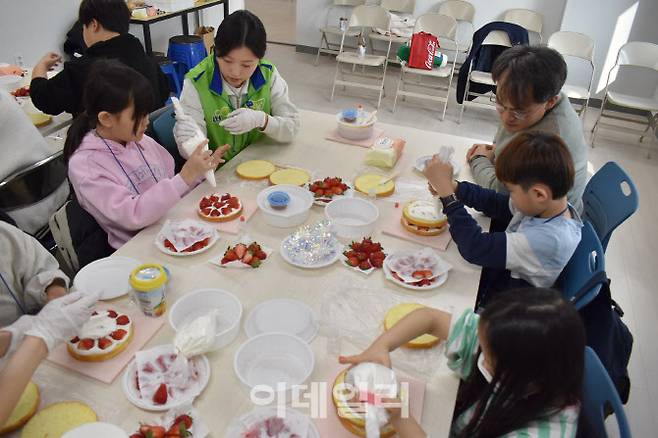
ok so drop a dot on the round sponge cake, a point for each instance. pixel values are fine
(57, 419)
(396, 313)
(25, 408)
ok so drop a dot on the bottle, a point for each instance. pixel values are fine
(361, 47)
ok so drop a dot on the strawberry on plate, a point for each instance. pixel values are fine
(219, 207)
(364, 256)
(246, 255)
(326, 189)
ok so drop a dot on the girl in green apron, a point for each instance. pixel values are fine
(235, 96)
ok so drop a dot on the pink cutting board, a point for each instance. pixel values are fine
(331, 427)
(333, 136)
(144, 328)
(392, 226)
(249, 207)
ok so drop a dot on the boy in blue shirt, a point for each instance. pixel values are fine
(544, 229)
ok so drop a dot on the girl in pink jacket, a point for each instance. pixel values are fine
(122, 177)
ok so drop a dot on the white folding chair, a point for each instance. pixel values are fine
(444, 28)
(494, 38)
(581, 46)
(463, 12)
(364, 17)
(399, 6)
(640, 55)
(327, 46)
(532, 21)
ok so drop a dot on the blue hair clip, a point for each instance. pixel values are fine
(250, 104)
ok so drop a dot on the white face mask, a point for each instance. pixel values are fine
(485, 373)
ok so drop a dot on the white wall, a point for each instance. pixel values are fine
(611, 23)
(311, 14)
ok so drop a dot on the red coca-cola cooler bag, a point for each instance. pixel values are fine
(423, 48)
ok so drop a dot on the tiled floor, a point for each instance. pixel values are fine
(631, 255)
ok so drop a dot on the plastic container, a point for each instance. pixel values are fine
(294, 214)
(358, 130)
(282, 315)
(149, 282)
(200, 302)
(352, 218)
(278, 361)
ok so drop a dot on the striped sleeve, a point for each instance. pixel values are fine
(564, 424)
(463, 344)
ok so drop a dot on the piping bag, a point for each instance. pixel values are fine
(373, 381)
(190, 144)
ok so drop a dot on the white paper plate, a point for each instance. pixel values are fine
(283, 316)
(132, 393)
(321, 264)
(349, 193)
(96, 430)
(420, 164)
(240, 425)
(109, 276)
(439, 280)
(159, 243)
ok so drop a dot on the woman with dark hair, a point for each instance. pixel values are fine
(122, 177)
(521, 362)
(235, 96)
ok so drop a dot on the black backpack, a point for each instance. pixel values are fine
(607, 334)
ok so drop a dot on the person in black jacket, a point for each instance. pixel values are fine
(105, 32)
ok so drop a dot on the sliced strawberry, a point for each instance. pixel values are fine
(231, 255)
(213, 198)
(118, 334)
(225, 197)
(75, 340)
(148, 368)
(86, 344)
(240, 250)
(215, 213)
(365, 265)
(123, 320)
(234, 202)
(418, 274)
(152, 431)
(160, 396)
(112, 314)
(104, 343)
(248, 256)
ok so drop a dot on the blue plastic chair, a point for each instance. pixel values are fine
(186, 51)
(169, 69)
(162, 128)
(606, 205)
(583, 276)
(599, 392)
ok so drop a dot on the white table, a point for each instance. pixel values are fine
(225, 398)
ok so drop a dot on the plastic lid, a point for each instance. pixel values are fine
(349, 113)
(148, 277)
(278, 199)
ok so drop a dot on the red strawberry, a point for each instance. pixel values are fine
(213, 198)
(123, 320)
(94, 313)
(361, 256)
(148, 368)
(75, 340)
(160, 396)
(152, 431)
(364, 265)
(118, 334)
(86, 344)
(255, 262)
(418, 274)
(337, 190)
(137, 435)
(254, 247)
(214, 213)
(234, 202)
(240, 250)
(225, 197)
(261, 255)
(349, 254)
(353, 261)
(377, 263)
(112, 314)
(247, 257)
(185, 419)
(231, 255)
(103, 343)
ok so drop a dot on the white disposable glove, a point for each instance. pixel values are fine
(61, 319)
(243, 120)
(185, 128)
(17, 330)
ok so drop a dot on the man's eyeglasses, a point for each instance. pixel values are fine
(518, 115)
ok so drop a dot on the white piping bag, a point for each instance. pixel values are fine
(190, 145)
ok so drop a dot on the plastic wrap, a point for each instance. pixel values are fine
(352, 316)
